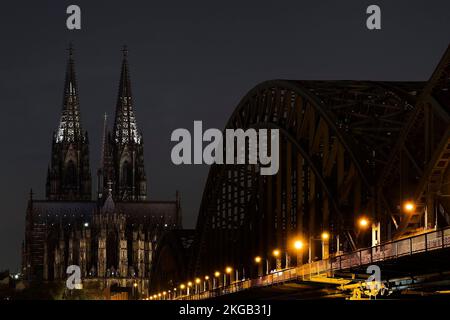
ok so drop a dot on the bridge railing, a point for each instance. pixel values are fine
(390, 250)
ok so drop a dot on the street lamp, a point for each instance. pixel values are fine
(324, 238)
(298, 246)
(363, 222)
(228, 271)
(258, 261)
(182, 287)
(135, 285)
(197, 282)
(409, 207)
(204, 283)
(216, 276)
(277, 253)
(325, 245)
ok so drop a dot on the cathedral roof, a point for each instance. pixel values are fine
(146, 210)
(61, 208)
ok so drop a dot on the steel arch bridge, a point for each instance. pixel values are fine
(347, 148)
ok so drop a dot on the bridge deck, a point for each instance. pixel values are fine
(324, 270)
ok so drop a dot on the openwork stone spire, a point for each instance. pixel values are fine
(69, 129)
(69, 176)
(125, 127)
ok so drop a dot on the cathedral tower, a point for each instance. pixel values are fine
(69, 176)
(123, 150)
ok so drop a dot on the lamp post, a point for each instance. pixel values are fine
(325, 240)
(298, 246)
(363, 224)
(228, 271)
(325, 236)
(204, 283)
(182, 286)
(135, 290)
(216, 279)
(197, 285)
(258, 261)
(276, 253)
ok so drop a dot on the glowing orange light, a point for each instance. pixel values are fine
(298, 244)
(409, 206)
(363, 222)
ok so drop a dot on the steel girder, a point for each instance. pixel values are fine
(336, 136)
(418, 169)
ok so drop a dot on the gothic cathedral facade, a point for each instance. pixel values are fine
(111, 236)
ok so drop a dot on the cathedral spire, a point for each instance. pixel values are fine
(68, 176)
(127, 171)
(125, 127)
(69, 129)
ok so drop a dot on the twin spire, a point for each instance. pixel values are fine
(69, 129)
(125, 126)
(122, 162)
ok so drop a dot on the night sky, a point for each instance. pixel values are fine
(189, 60)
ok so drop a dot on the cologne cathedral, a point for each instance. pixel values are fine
(111, 236)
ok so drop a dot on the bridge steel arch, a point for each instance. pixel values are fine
(335, 139)
(171, 259)
(418, 167)
(347, 148)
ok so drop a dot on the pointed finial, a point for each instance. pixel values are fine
(70, 49)
(31, 194)
(125, 51)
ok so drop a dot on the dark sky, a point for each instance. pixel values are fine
(189, 60)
